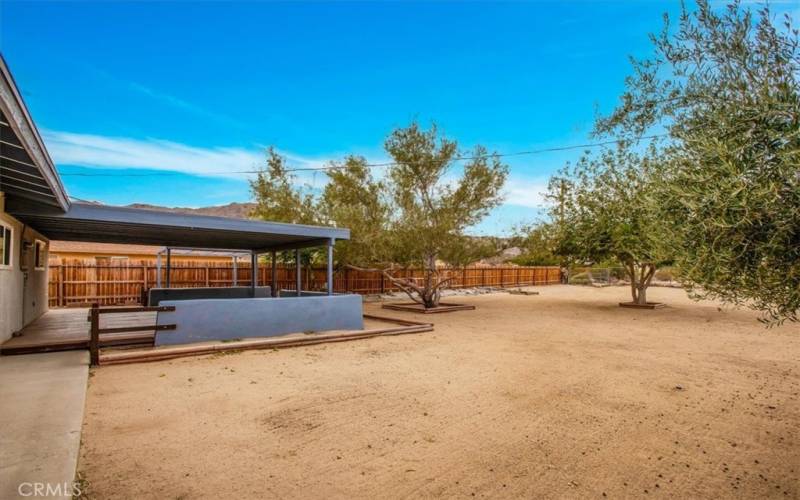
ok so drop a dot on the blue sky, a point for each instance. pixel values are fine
(150, 101)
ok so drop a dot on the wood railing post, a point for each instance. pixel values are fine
(94, 335)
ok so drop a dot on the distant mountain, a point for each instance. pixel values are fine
(231, 210)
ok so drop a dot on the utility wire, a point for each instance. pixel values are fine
(372, 165)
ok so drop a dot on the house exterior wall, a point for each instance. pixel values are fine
(23, 288)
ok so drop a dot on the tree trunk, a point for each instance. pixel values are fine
(426, 295)
(430, 295)
(642, 296)
(640, 280)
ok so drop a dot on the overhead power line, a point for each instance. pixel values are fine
(370, 165)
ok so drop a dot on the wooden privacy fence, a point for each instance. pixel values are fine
(82, 283)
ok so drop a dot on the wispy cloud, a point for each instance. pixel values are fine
(526, 192)
(184, 105)
(97, 151)
(163, 97)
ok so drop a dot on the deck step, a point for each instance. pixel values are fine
(133, 339)
(68, 329)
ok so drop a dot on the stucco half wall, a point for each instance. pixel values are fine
(226, 319)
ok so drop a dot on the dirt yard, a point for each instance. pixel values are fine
(561, 395)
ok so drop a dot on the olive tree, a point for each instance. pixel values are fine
(606, 211)
(354, 199)
(538, 244)
(725, 86)
(431, 208)
(277, 196)
(416, 215)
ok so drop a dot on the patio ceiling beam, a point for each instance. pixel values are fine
(14, 186)
(18, 129)
(295, 246)
(10, 176)
(240, 251)
(6, 168)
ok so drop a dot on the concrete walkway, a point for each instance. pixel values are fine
(41, 411)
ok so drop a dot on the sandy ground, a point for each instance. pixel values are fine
(560, 395)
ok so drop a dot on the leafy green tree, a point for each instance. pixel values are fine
(279, 199)
(352, 198)
(469, 249)
(430, 209)
(277, 196)
(607, 211)
(725, 87)
(416, 216)
(538, 244)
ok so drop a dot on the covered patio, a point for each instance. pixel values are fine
(179, 232)
(188, 315)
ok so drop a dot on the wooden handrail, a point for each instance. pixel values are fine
(125, 329)
(111, 310)
(95, 331)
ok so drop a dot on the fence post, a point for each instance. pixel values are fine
(94, 335)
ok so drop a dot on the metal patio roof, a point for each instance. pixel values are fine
(107, 224)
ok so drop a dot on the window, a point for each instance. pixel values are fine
(39, 248)
(6, 236)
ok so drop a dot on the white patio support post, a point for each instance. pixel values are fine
(298, 271)
(235, 259)
(274, 280)
(254, 273)
(158, 270)
(169, 266)
(329, 277)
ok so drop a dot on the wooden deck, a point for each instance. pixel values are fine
(68, 329)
